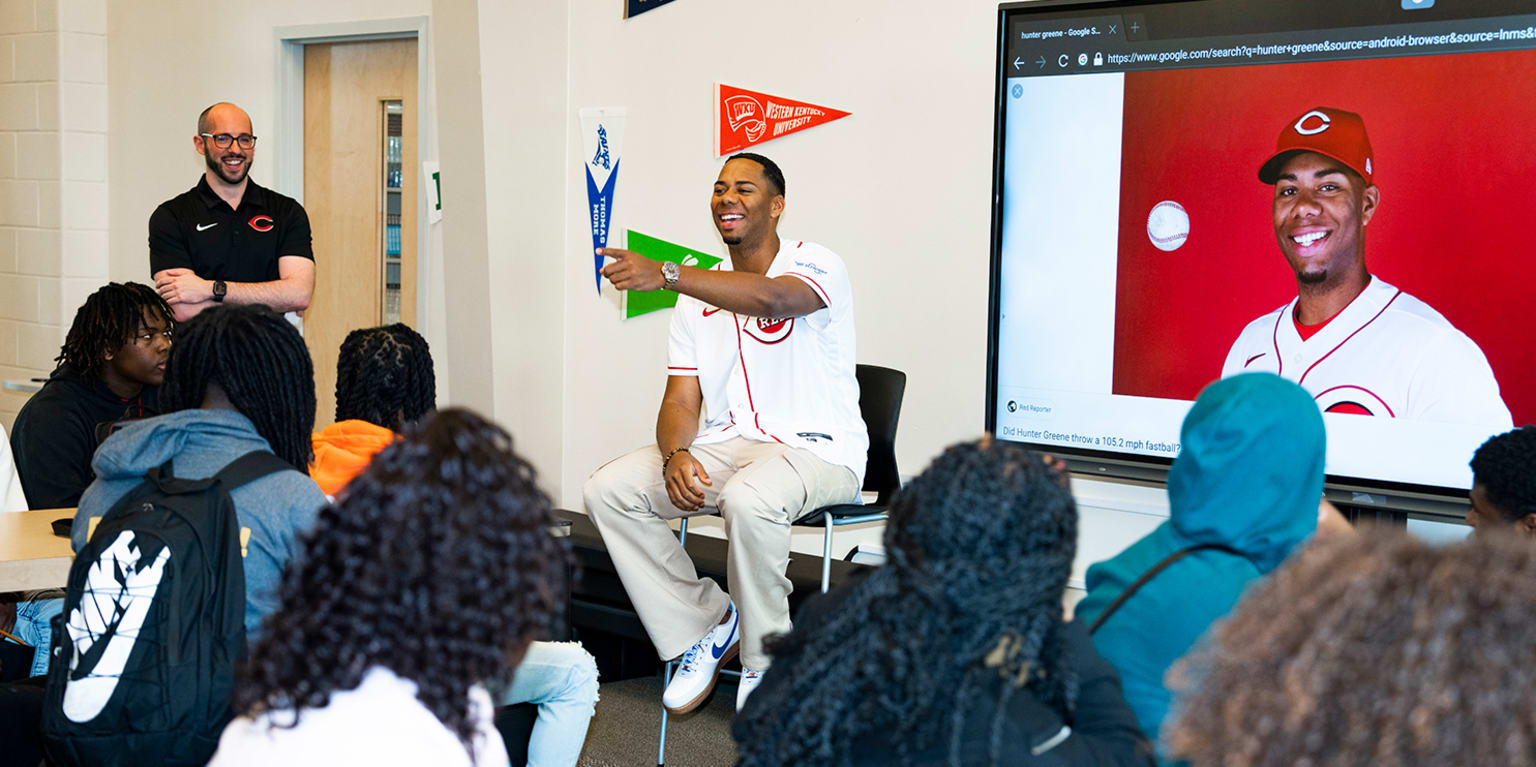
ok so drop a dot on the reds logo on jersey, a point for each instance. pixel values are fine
(261, 223)
(769, 331)
(1355, 400)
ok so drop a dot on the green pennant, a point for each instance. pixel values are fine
(638, 302)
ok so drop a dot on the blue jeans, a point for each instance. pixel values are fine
(561, 678)
(34, 625)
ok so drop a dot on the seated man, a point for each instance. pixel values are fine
(110, 368)
(763, 345)
(1504, 485)
(384, 381)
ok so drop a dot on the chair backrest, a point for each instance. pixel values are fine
(880, 392)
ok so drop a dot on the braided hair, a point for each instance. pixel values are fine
(968, 604)
(109, 318)
(261, 364)
(384, 376)
(437, 564)
(1506, 467)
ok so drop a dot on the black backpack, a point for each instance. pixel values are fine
(153, 625)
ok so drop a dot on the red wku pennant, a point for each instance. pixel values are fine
(747, 117)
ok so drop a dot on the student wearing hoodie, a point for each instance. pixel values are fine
(384, 381)
(110, 367)
(1248, 480)
(240, 380)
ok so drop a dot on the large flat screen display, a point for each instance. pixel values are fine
(1183, 190)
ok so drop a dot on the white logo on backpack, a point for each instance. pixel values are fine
(115, 601)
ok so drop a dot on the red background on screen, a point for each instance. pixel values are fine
(1455, 149)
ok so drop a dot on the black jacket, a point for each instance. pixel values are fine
(1103, 731)
(58, 430)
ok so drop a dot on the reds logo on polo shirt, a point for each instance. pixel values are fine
(262, 223)
(769, 331)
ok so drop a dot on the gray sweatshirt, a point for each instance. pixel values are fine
(277, 508)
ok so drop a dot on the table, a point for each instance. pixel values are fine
(31, 556)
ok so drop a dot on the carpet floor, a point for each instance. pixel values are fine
(625, 726)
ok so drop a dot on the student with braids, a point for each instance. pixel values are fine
(954, 652)
(110, 368)
(239, 379)
(428, 577)
(1504, 485)
(384, 381)
(384, 384)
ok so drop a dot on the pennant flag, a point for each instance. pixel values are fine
(602, 137)
(637, 7)
(638, 302)
(745, 118)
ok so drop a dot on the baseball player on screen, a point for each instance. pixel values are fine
(1356, 343)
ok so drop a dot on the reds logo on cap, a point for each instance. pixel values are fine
(1327, 131)
(261, 223)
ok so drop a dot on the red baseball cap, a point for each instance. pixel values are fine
(1327, 131)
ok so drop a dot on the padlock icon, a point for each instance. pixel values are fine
(1098, 59)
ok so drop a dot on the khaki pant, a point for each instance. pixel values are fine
(758, 489)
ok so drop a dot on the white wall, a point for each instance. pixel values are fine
(899, 190)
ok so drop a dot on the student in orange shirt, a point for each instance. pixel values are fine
(384, 381)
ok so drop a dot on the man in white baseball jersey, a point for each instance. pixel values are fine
(1356, 343)
(763, 346)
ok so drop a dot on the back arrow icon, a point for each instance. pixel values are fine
(1041, 62)
(1017, 62)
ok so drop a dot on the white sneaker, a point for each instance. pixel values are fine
(750, 679)
(700, 666)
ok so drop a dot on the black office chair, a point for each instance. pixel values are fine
(880, 393)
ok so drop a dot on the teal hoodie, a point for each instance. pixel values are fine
(1250, 476)
(277, 507)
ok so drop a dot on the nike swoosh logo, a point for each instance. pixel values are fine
(719, 650)
(205, 227)
(710, 311)
(116, 599)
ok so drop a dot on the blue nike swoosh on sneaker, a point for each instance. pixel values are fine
(719, 650)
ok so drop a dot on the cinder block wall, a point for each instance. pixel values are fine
(53, 178)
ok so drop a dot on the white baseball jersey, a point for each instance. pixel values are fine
(785, 380)
(1386, 354)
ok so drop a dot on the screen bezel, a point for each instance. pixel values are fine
(1432, 500)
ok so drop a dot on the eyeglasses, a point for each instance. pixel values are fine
(223, 140)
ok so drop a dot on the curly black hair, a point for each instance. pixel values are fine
(979, 549)
(771, 169)
(384, 376)
(260, 363)
(1375, 649)
(109, 318)
(1506, 467)
(437, 564)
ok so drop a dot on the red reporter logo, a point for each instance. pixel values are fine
(261, 223)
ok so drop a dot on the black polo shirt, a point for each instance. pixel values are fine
(197, 230)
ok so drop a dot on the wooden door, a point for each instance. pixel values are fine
(348, 88)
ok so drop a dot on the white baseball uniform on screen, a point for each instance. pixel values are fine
(1383, 353)
(778, 380)
(1387, 353)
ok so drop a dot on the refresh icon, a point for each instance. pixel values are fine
(1063, 59)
